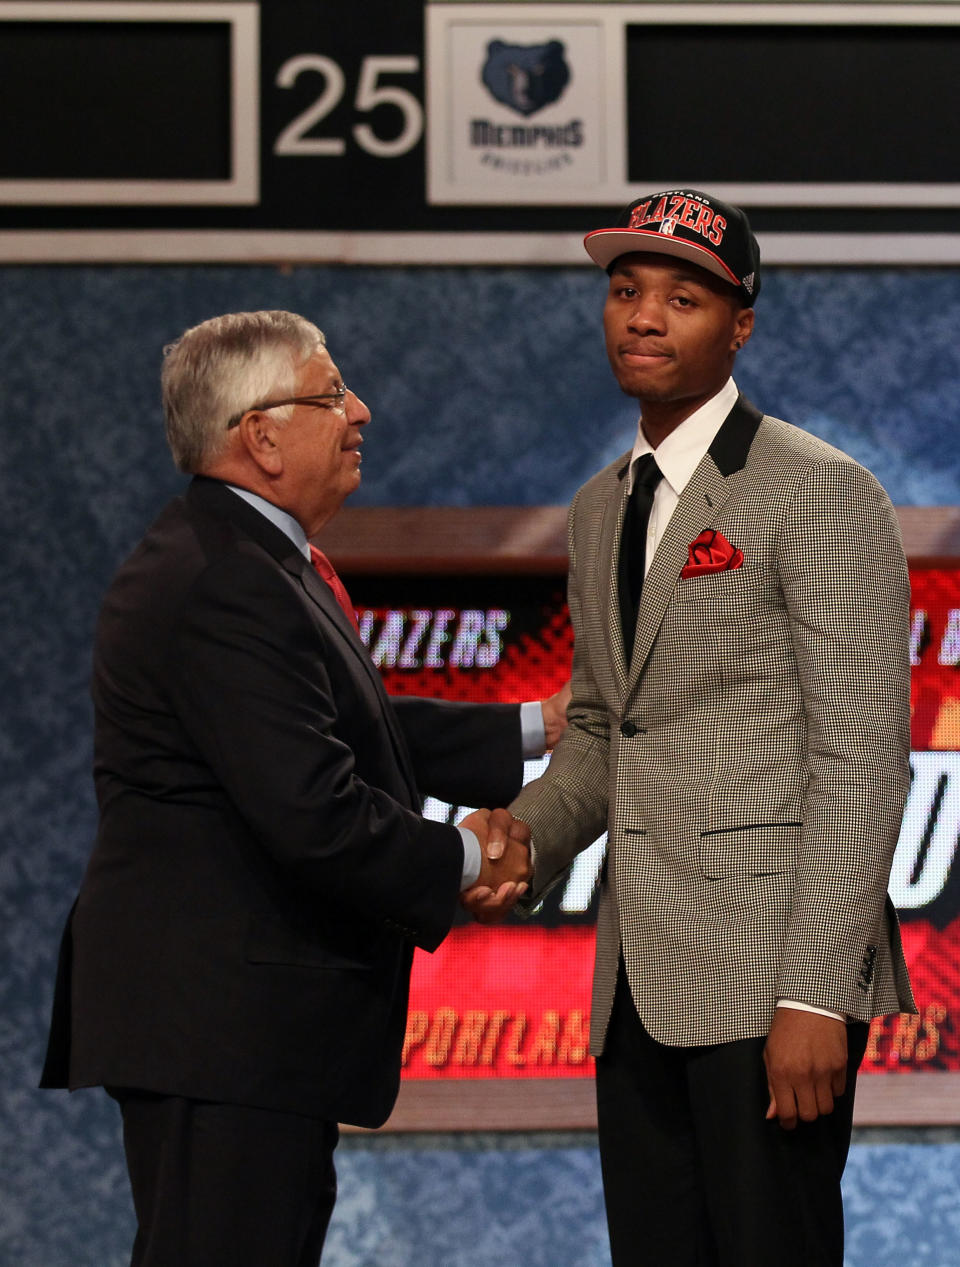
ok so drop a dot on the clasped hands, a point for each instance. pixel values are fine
(505, 868)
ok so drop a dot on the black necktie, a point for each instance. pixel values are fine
(633, 545)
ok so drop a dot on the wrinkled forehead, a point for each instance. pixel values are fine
(319, 370)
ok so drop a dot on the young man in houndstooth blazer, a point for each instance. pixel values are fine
(750, 759)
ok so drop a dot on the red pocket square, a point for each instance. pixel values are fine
(712, 552)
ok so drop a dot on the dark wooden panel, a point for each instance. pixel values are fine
(531, 538)
(455, 540)
(567, 1104)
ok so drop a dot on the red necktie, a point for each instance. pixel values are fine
(325, 569)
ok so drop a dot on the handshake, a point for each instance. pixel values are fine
(505, 868)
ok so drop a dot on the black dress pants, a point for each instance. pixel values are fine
(693, 1174)
(221, 1185)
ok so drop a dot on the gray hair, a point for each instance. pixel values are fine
(225, 366)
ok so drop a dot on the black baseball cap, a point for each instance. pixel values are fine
(689, 224)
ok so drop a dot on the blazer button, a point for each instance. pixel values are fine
(628, 729)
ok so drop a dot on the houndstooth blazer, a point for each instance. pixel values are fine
(751, 763)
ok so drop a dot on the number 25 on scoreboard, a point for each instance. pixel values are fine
(294, 141)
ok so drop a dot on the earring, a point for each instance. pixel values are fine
(738, 344)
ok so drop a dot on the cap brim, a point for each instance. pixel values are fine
(605, 245)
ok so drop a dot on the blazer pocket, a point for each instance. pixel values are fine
(277, 944)
(703, 584)
(754, 850)
(723, 596)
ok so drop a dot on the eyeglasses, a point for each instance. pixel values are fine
(314, 402)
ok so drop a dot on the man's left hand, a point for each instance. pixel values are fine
(554, 711)
(806, 1061)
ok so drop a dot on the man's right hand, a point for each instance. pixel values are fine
(805, 1056)
(505, 868)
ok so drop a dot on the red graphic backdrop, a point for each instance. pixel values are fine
(514, 1001)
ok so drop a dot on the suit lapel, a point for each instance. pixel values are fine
(213, 497)
(697, 509)
(320, 593)
(611, 535)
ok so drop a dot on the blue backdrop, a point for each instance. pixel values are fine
(488, 387)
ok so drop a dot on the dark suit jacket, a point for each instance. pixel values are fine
(261, 874)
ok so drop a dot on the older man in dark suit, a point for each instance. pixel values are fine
(235, 970)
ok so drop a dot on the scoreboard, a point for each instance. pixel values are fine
(448, 132)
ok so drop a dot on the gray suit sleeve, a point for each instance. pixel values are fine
(846, 587)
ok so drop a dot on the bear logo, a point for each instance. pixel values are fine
(525, 77)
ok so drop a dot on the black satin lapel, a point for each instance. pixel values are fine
(732, 442)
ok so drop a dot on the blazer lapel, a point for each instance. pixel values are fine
(320, 593)
(697, 509)
(214, 497)
(611, 535)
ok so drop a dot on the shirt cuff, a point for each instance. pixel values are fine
(533, 737)
(471, 858)
(808, 1007)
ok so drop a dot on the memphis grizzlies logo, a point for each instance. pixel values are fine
(526, 77)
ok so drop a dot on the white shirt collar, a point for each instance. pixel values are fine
(289, 526)
(679, 455)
